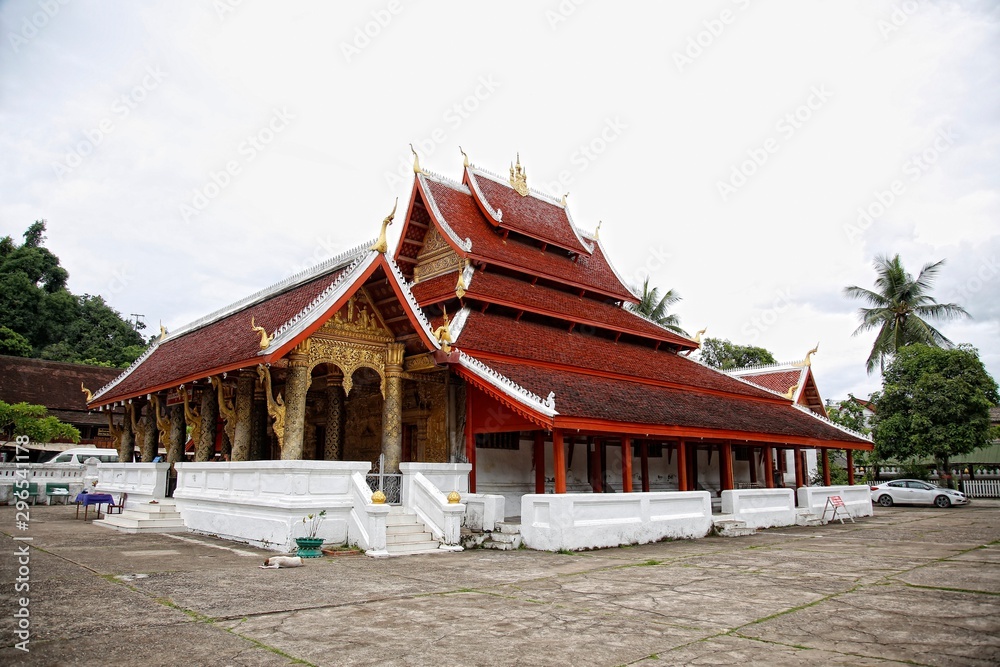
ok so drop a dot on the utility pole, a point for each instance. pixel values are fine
(137, 316)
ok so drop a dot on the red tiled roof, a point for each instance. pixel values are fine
(779, 381)
(228, 342)
(54, 384)
(462, 214)
(584, 396)
(498, 335)
(509, 291)
(529, 215)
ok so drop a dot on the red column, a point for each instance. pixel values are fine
(826, 466)
(539, 462)
(850, 467)
(559, 460)
(753, 465)
(726, 466)
(799, 476)
(626, 464)
(644, 462)
(470, 440)
(682, 466)
(596, 473)
(768, 464)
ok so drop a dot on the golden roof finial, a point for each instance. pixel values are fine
(519, 177)
(465, 158)
(790, 394)
(808, 360)
(563, 202)
(163, 331)
(460, 287)
(442, 334)
(597, 231)
(698, 334)
(416, 161)
(382, 245)
(90, 394)
(265, 340)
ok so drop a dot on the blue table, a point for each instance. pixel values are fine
(88, 499)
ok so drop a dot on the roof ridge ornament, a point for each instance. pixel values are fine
(382, 245)
(597, 230)
(90, 394)
(790, 394)
(416, 161)
(465, 158)
(563, 202)
(163, 331)
(461, 287)
(805, 363)
(519, 178)
(442, 334)
(696, 339)
(265, 340)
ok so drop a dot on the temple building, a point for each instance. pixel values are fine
(495, 334)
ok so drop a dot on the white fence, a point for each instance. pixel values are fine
(982, 488)
(42, 474)
(142, 482)
(857, 499)
(760, 508)
(596, 520)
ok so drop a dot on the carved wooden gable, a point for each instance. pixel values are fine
(358, 319)
(435, 258)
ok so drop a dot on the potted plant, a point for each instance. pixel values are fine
(309, 546)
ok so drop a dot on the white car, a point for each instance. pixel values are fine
(915, 492)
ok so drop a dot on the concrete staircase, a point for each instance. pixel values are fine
(405, 534)
(725, 525)
(161, 517)
(506, 537)
(805, 517)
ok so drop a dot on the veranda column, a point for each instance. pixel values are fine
(150, 437)
(296, 387)
(825, 462)
(596, 474)
(126, 446)
(850, 467)
(682, 466)
(797, 456)
(626, 464)
(752, 467)
(644, 464)
(470, 439)
(559, 460)
(260, 446)
(333, 446)
(205, 447)
(178, 434)
(392, 408)
(244, 407)
(765, 456)
(726, 466)
(539, 462)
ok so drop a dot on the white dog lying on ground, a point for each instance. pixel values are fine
(274, 562)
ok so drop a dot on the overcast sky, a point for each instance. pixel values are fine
(753, 156)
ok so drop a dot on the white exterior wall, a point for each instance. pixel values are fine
(760, 508)
(858, 499)
(588, 521)
(263, 502)
(142, 482)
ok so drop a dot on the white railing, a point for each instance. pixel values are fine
(366, 524)
(483, 511)
(760, 508)
(142, 482)
(857, 499)
(444, 519)
(41, 474)
(982, 488)
(552, 522)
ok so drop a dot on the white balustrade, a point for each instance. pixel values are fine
(760, 508)
(483, 511)
(366, 523)
(857, 499)
(142, 482)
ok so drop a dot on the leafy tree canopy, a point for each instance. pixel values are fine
(849, 413)
(37, 308)
(655, 306)
(934, 403)
(34, 421)
(724, 355)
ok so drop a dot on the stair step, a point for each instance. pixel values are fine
(505, 538)
(502, 546)
(402, 520)
(407, 549)
(128, 525)
(162, 507)
(509, 528)
(402, 529)
(409, 538)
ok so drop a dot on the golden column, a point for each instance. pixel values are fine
(244, 406)
(334, 446)
(392, 408)
(296, 387)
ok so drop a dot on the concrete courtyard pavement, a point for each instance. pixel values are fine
(907, 586)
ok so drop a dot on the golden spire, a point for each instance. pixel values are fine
(790, 394)
(442, 334)
(90, 394)
(465, 158)
(416, 161)
(265, 340)
(163, 331)
(597, 232)
(519, 178)
(382, 245)
(563, 202)
(808, 360)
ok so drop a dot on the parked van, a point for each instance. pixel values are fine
(81, 454)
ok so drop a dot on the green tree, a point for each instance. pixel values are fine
(725, 355)
(655, 307)
(849, 413)
(35, 422)
(899, 308)
(13, 343)
(934, 403)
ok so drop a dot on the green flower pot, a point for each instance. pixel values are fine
(309, 547)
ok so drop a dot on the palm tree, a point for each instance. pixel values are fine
(899, 305)
(654, 307)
